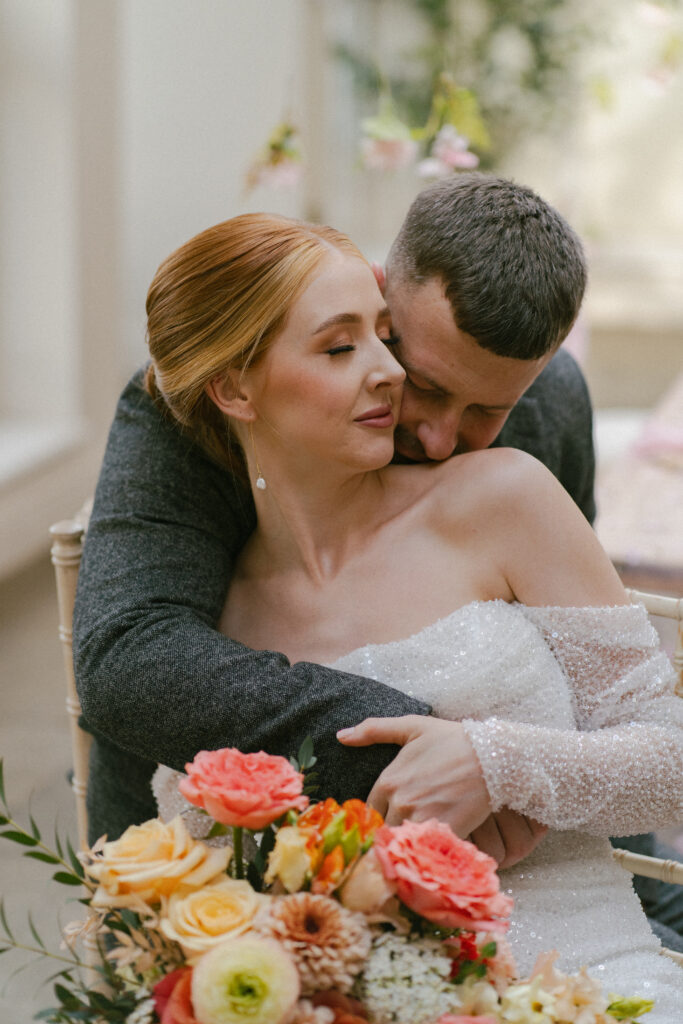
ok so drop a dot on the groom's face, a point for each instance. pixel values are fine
(457, 395)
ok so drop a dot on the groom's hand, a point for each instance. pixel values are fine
(436, 773)
(508, 837)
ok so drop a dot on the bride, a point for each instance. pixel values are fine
(474, 583)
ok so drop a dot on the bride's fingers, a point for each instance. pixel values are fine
(381, 730)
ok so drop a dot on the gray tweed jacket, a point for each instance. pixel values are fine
(157, 682)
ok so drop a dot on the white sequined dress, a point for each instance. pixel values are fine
(573, 718)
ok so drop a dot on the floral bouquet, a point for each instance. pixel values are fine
(334, 918)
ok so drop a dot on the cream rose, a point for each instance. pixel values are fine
(289, 860)
(153, 860)
(203, 919)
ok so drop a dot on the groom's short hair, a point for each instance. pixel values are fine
(513, 270)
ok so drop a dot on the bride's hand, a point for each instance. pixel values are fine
(436, 774)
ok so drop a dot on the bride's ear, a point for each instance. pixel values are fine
(228, 392)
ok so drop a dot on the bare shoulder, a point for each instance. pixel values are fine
(488, 482)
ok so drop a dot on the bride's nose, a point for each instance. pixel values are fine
(386, 371)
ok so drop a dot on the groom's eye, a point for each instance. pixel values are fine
(392, 339)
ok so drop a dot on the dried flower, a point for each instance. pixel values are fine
(328, 943)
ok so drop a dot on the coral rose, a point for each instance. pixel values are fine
(153, 860)
(202, 919)
(173, 1000)
(248, 978)
(243, 790)
(443, 878)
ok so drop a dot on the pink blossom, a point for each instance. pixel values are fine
(387, 154)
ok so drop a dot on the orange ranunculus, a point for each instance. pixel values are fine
(443, 878)
(173, 998)
(244, 790)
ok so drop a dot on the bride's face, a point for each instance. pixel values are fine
(328, 387)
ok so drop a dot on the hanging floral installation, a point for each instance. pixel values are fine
(279, 165)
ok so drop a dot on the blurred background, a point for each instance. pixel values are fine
(130, 125)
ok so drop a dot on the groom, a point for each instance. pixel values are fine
(484, 281)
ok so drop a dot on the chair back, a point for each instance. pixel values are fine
(669, 608)
(66, 551)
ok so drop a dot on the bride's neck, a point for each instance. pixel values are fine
(314, 525)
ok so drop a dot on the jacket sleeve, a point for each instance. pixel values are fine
(620, 770)
(153, 674)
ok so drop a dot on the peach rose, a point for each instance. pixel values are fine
(443, 878)
(200, 920)
(366, 889)
(243, 790)
(153, 860)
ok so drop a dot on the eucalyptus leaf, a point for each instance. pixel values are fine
(5, 922)
(23, 838)
(66, 879)
(47, 858)
(34, 932)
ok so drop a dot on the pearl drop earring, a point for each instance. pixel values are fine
(260, 480)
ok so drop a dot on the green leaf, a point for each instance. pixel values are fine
(67, 879)
(5, 922)
(306, 753)
(4, 820)
(34, 932)
(489, 950)
(23, 838)
(130, 918)
(217, 829)
(58, 845)
(2, 783)
(68, 999)
(34, 829)
(47, 858)
(75, 862)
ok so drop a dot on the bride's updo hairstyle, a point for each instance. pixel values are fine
(216, 304)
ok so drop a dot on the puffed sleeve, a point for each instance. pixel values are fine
(620, 771)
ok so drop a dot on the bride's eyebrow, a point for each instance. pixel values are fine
(346, 318)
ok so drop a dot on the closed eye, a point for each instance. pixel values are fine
(338, 349)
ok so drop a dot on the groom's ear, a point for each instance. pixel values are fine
(229, 393)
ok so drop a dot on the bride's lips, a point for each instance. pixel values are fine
(381, 416)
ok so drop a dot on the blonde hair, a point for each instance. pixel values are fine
(216, 304)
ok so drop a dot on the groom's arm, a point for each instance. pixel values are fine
(153, 674)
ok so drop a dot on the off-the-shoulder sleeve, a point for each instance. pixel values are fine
(621, 771)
